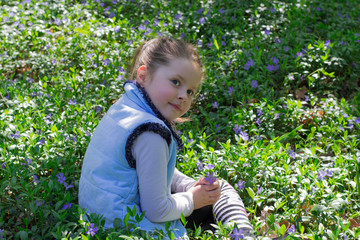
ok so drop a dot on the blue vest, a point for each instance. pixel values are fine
(109, 182)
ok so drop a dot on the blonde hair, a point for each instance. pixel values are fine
(158, 52)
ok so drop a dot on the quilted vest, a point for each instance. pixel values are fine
(109, 182)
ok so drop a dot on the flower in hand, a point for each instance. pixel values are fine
(210, 177)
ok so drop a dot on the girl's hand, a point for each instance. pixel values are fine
(204, 193)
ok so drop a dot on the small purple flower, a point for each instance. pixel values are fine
(61, 178)
(292, 229)
(215, 104)
(292, 154)
(259, 112)
(244, 136)
(91, 229)
(272, 68)
(228, 63)
(111, 15)
(241, 184)
(357, 121)
(200, 165)
(97, 109)
(29, 24)
(67, 206)
(267, 32)
(67, 186)
(106, 62)
(272, 10)
(202, 20)
(237, 128)
(254, 83)
(329, 173)
(1, 234)
(237, 234)
(57, 21)
(39, 203)
(199, 43)
(5, 19)
(210, 177)
(276, 115)
(327, 43)
(350, 125)
(286, 48)
(231, 90)
(35, 179)
(182, 35)
(130, 42)
(156, 22)
(142, 27)
(210, 166)
(178, 16)
(72, 102)
(16, 135)
(275, 60)
(249, 64)
(341, 128)
(200, 10)
(257, 121)
(299, 54)
(47, 121)
(41, 142)
(217, 128)
(221, 11)
(322, 175)
(259, 190)
(28, 161)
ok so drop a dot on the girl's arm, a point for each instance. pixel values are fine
(152, 155)
(181, 182)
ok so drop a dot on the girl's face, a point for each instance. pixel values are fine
(171, 87)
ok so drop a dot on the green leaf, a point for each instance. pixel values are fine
(216, 44)
(82, 31)
(279, 205)
(83, 237)
(23, 235)
(283, 229)
(250, 192)
(54, 128)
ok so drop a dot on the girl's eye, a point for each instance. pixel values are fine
(190, 92)
(176, 82)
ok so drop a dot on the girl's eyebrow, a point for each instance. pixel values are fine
(179, 76)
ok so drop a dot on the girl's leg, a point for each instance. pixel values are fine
(230, 209)
(201, 217)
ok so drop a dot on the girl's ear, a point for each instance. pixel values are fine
(141, 75)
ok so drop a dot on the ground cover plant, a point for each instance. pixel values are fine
(278, 116)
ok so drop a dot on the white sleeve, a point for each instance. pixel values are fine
(151, 153)
(181, 182)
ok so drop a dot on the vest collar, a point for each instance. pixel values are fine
(139, 95)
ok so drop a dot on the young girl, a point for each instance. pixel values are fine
(131, 158)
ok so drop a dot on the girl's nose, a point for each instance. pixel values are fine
(182, 94)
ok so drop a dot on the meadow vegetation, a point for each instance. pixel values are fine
(278, 115)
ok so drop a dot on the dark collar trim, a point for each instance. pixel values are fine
(146, 127)
(157, 113)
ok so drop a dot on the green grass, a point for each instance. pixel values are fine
(62, 65)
